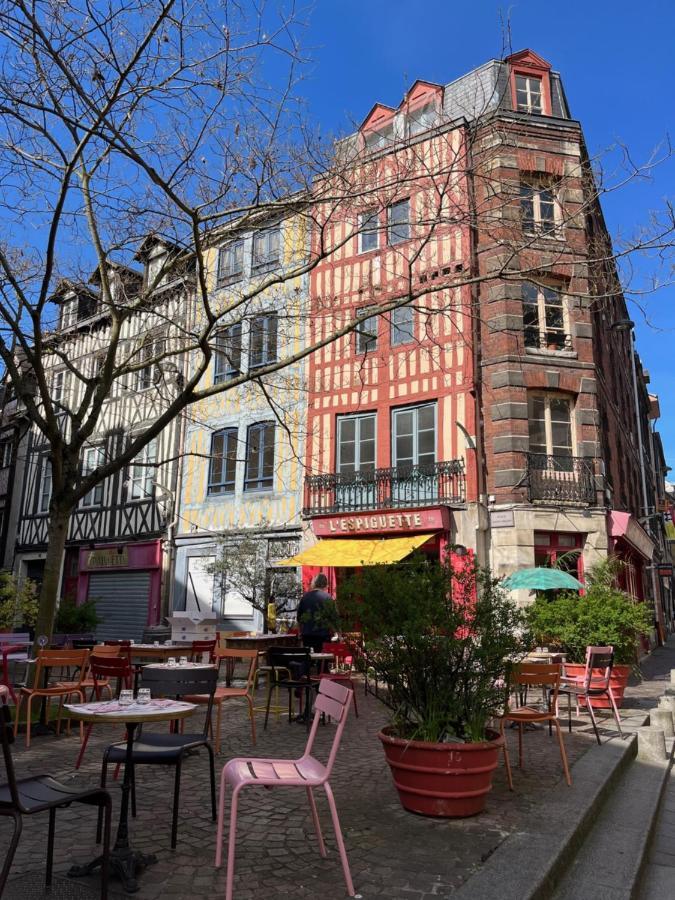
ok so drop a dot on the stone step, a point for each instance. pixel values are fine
(531, 864)
(612, 857)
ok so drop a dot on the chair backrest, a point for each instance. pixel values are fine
(339, 649)
(291, 658)
(598, 658)
(332, 700)
(101, 650)
(6, 740)
(182, 682)
(538, 675)
(107, 667)
(117, 643)
(233, 654)
(60, 659)
(199, 648)
(59, 642)
(15, 637)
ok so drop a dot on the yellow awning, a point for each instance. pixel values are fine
(356, 552)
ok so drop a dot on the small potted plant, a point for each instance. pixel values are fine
(76, 619)
(441, 641)
(603, 615)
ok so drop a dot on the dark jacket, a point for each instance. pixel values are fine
(310, 608)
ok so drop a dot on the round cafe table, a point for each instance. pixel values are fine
(125, 862)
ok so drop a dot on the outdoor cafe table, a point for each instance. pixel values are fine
(260, 641)
(125, 862)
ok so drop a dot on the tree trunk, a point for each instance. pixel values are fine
(57, 532)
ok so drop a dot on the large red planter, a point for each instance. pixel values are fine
(449, 780)
(618, 682)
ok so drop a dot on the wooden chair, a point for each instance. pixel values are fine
(232, 693)
(42, 793)
(46, 661)
(548, 679)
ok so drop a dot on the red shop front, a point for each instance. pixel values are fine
(633, 546)
(436, 523)
(125, 582)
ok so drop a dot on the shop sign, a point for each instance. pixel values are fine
(108, 559)
(665, 570)
(501, 518)
(415, 520)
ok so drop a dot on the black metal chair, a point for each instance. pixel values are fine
(42, 793)
(169, 749)
(298, 662)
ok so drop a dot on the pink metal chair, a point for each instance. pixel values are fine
(595, 682)
(307, 772)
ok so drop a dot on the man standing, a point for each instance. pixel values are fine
(315, 614)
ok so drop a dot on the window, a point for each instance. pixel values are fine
(259, 457)
(69, 312)
(230, 263)
(414, 436)
(227, 356)
(559, 551)
(550, 425)
(528, 94)
(398, 221)
(45, 490)
(378, 140)
(538, 208)
(143, 473)
(356, 443)
(369, 235)
(265, 249)
(92, 459)
(366, 332)
(223, 464)
(422, 119)
(5, 454)
(544, 317)
(57, 386)
(402, 325)
(149, 375)
(263, 348)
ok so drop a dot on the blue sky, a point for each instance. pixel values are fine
(618, 68)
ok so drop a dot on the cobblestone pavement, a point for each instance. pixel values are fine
(392, 853)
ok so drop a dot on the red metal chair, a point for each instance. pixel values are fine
(103, 670)
(342, 653)
(199, 648)
(307, 772)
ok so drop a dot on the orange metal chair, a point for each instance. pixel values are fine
(46, 661)
(533, 675)
(231, 693)
(100, 651)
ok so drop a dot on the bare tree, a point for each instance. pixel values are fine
(179, 120)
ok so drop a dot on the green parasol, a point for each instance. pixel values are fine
(541, 579)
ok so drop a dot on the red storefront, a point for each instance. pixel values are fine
(125, 580)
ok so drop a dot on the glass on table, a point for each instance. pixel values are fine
(144, 696)
(171, 661)
(183, 661)
(126, 698)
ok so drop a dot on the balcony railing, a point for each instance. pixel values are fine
(561, 479)
(401, 487)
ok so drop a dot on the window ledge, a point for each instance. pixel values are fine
(543, 351)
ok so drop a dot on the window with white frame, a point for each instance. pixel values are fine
(402, 325)
(45, 485)
(266, 249)
(538, 207)
(414, 436)
(423, 118)
(143, 472)
(380, 138)
(227, 353)
(58, 387)
(259, 457)
(149, 375)
(528, 94)
(230, 263)
(69, 312)
(356, 443)
(398, 222)
(93, 458)
(223, 462)
(544, 317)
(6, 453)
(366, 332)
(550, 426)
(263, 343)
(369, 231)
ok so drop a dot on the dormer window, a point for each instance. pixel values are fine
(423, 118)
(378, 140)
(529, 94)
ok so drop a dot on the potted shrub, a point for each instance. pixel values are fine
(603, 615)
(440, 641)
(76, 619)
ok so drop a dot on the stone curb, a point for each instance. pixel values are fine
(528, 864)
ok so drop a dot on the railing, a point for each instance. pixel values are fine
(440, 483)
(547, 340)
(561, 479)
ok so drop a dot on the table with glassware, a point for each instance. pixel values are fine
(124, 861)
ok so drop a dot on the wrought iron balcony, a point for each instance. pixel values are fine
(401, 487)
(561, 479)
